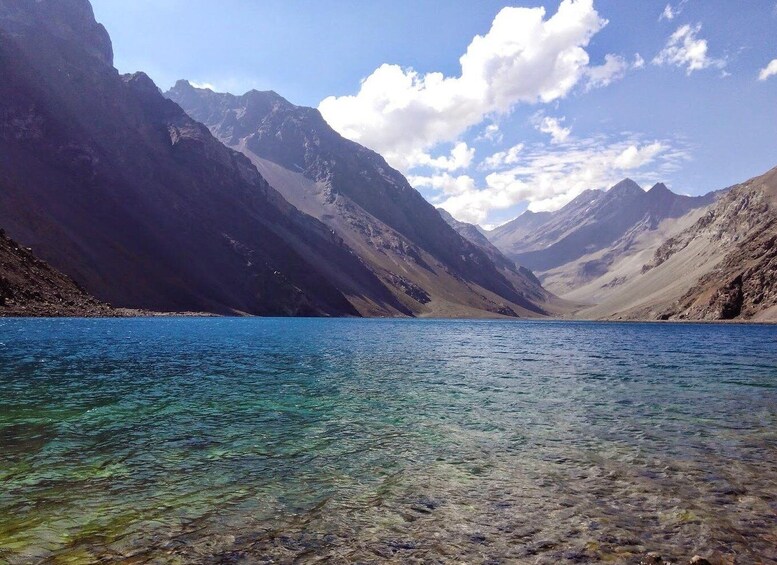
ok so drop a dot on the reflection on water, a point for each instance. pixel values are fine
(243, 440)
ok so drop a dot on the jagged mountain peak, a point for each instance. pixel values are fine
(267, 95)
(593, 221)
(626, 187)
(141, 83)
(659, 188)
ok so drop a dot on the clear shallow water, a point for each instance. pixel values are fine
(245, 440)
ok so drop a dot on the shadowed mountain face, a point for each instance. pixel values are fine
(30, 287)
(474, 234)
(592, 221)
(116, 186)
(402, 238)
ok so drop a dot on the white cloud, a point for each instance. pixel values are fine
(634, 157)
(445, 182)
(206, 85)
(502, 158)
(460, 158)
(667, 14)
(639, 62)
(548, 178)
(613, 69)
(523, 58)
(768, 71)
(553, 127)
(491, 133)
(671, 12)
(685, 49)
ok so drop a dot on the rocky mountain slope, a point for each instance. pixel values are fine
(476, 235)
(30, 287)
(722, 267)
(403, 240)
(583, 242)
(592, 278)
(473, 234)
(116, 186)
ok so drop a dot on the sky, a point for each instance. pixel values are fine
(488, 107)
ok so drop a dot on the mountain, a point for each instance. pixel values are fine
(722, 266)
(582, 241)
(592, 278)
(31, 287)
(399, 236)
(471, 232)
(116, 186)
(475, 234)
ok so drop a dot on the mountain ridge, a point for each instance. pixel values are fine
(555, 244)
(372, 206)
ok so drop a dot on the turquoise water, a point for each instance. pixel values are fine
(245, 440)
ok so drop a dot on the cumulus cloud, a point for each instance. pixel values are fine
(553, 127)
(639, 62)
(460, 158)
(548, 178)
(768, 71)
(502, 158)
(685, 49)
(449, 185)
(524, 58)
(491, 133)
(613, 69)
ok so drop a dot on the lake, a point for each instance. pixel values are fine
(252, 440)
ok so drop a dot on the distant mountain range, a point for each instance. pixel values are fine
(594, 243)
(719, 265)
(593, 221)
(200, 201)
(632, 254)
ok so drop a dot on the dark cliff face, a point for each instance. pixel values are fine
(69, 22)
(592, 221)
(265, 125)
(116, 186)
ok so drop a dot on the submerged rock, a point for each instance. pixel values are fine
(651, 558)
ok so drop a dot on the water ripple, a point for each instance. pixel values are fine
(231, 440)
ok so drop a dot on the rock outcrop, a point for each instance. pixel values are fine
(31, 287)
(744, 284)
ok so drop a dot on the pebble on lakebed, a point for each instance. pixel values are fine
(653, 558)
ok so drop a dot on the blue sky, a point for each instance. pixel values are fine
(550, 103)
